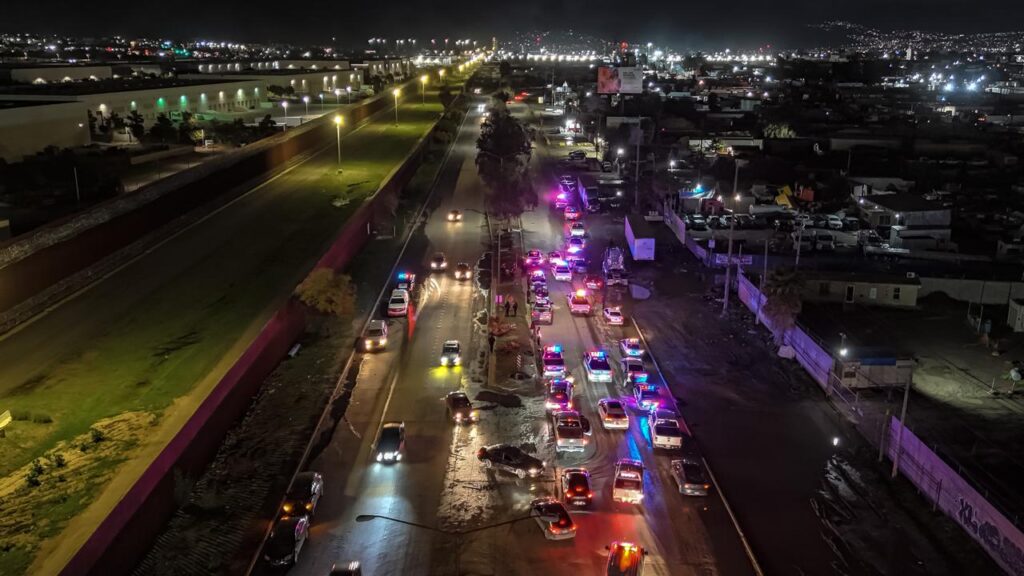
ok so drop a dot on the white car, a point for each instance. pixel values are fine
(575, 245)
(553, 518)
(835, 222)
(665, 430)
(633, 370)
(613, 316)
(579, 302)
(597, 367)
(398, 304)
(571, 431)
(613, 414)
(631, 347)
(562, 273)
(577, 230)
(628, 485)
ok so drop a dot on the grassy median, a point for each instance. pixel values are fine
(100, 401)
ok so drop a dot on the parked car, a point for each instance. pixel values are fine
(824, 241)
(510, 459)
(690, 476)
(286, 541)
(835, 222)
(303, 495)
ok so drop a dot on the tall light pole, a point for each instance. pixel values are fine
(396, 92)
(305, 100)
(348, 90)
(321, 102)
(423, 88)
(284, 104)
(440, 74)
(338, 121)
(337, 96)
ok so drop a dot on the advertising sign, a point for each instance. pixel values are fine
(622, 80)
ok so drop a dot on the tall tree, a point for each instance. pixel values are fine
(503, 154)
(163, 130)
(782, 289)
(446, 96)
(137, 124)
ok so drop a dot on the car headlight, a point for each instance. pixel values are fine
(368, 344)
(458, 360)
(398, 456)
(433, 264)
(380, 456)
(444, 360)
(474, 415)
(383, 341)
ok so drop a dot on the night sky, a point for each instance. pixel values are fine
(684, 24)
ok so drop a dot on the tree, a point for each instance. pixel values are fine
(276, 90)
(446, 96)
(782, 289)
(136, 124)
(188, 129)
(163, 130)
(92, 123)
(779, 130)
(328, 293)
(502, 158)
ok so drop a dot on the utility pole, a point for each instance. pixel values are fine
(636, 183)
(764, 274)
(728, 267)
(799, 241)
(899, 431)
(78, 193)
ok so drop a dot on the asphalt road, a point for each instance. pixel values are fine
(440, 482)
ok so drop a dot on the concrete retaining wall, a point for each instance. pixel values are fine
(125, 535)
(942, 486)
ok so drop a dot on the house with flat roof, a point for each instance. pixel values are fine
(868, 288)
(914, 222)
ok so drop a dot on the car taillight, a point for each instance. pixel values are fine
(590, 494)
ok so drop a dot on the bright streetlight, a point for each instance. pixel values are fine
(337, 96)
(440, 73)
(321, 102)
(423, 88)
(348, 90)
(396, 92)
(305, 100)
(284, 104)
(339, 120)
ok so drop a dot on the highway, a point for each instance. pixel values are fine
(440, 483)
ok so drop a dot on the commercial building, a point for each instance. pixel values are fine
(304, 82)
(914, 222)
(54, 73)
(29, 126)
(861, 288)
(259, 65)
(149, 97)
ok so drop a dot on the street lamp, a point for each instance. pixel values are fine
(396, 92)
(284, 104)
(337, 96)
(348, 90)
(440, 74)
(321, 102)
(339, 120)
(423, 88)
(305, 100)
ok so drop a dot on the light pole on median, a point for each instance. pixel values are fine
(348, 90)
(396, 93)
(423, 88)
(305, 100)
(339, 120)
(440, 74)
(321, 102)
(337, 96)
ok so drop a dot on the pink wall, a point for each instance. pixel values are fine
(126, 534)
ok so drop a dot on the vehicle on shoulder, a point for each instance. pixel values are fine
(398, 304)
(666, 432)
(303, 495)
(613, 316)
(631, 347)
(647, 396)
(460, 408)
(375, 336)
(510, 459)
(286, 540)
(690, 476)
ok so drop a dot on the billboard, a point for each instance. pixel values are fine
(621, 80)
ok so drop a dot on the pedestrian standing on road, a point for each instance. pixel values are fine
(515, 308)
(508, 305)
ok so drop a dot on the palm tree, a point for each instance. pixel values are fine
(782, 289)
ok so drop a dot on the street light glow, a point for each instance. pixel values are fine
(339, 120)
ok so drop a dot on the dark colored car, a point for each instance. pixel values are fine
(510, 459)
(391, 442)
(576, 484)
(304, 494)
(460, 409)
(286, 541)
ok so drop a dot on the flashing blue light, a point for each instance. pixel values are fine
(556, 349)
(699, 188)
(402, 275)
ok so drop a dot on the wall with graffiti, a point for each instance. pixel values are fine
(957, 499)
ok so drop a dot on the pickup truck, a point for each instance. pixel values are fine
(571, 431)
(665, 431)
(628, 485)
